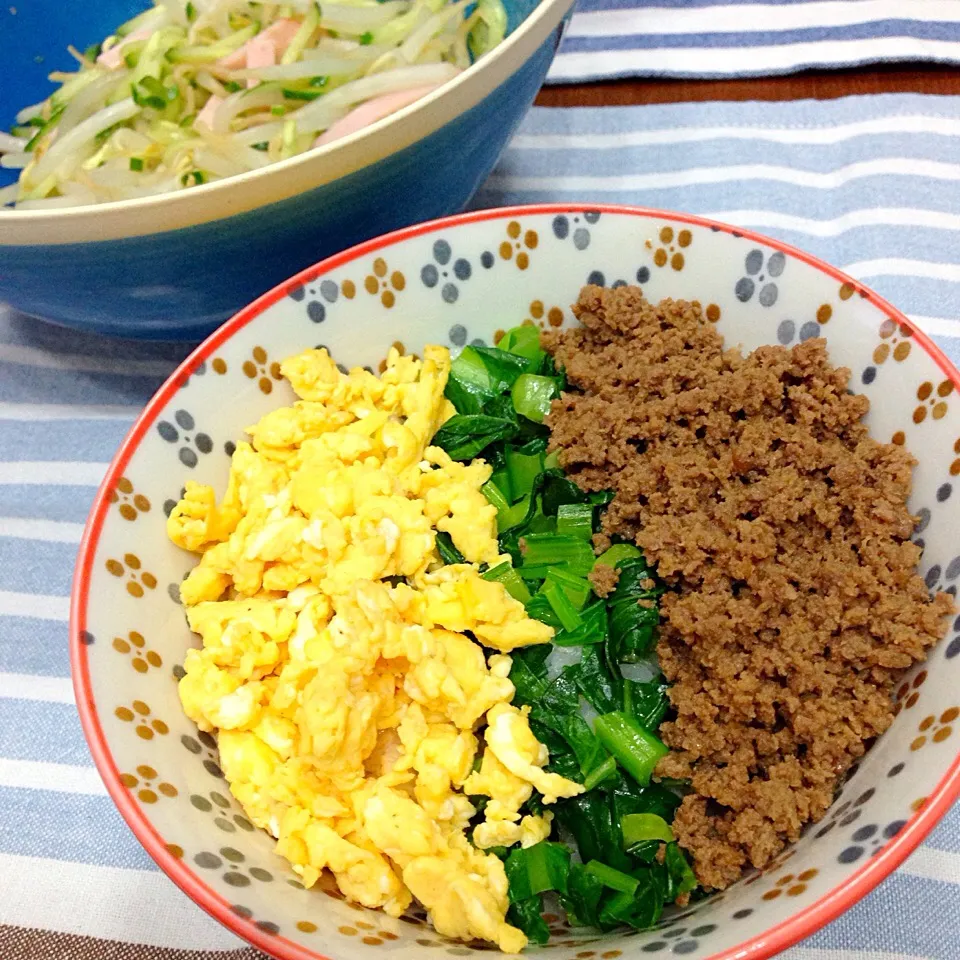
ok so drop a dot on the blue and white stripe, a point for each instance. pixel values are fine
(870, 184)
(743, 38)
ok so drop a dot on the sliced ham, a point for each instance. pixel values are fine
(260, 53)
(372, 111)
(113, 58)
(279, 34)
(205, 116)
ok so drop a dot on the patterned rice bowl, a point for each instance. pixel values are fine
(458, 281)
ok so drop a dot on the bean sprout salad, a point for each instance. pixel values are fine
(192, 91)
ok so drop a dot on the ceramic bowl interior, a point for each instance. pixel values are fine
(457, 282)
(176, 265)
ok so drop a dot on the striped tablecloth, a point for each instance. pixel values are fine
(748, 38)
(870, 184)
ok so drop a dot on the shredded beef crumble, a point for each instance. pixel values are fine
(781, 527)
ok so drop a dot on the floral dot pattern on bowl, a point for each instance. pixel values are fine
(461, 283)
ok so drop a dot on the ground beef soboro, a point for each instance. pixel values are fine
(781, 525)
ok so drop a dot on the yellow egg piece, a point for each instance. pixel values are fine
(341, 664)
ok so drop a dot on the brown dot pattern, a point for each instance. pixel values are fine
(824, 313)
(134, 646)
(896, 342)
(130, 570)
(306, 926)
(713, 312)
(147, 785)
(846, 291)
(219, 366)
(259, 368)
(932, 400)
(130, 504)
(933, 729)
(668, 252)
(517, 245)
(381, 282)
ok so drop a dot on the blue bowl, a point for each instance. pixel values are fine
(177, 265)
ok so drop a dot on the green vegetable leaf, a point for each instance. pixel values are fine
(558, 490)
(463, 436)
(529, 674)
(512, 581)
(537, 869)
(448, 552)
(685, 880)
(592, 629)
(646, 701)
(524, 341)
(564, 610)
(532, 395)
(589, 817)
(614, 879)
(640, 908)
(602, 772)
(480, 374)
(541, 551)
(576, 589)
(582, 902)
(629, 797)
(618, 553)
(575, 520)
(525, 914)
(634, 613)
(640, 827)
(524, 469)
(601, 688)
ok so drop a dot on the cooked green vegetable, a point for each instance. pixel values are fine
(545, 551)
(448, 552)
(533, 394)
(464, 436)
(512, 581)
(545, 524)
(639, 827)
(537, 869)
(636, 750)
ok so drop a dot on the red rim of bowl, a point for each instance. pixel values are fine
(772, 941)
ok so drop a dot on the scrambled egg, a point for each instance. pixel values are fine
(356, 712)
